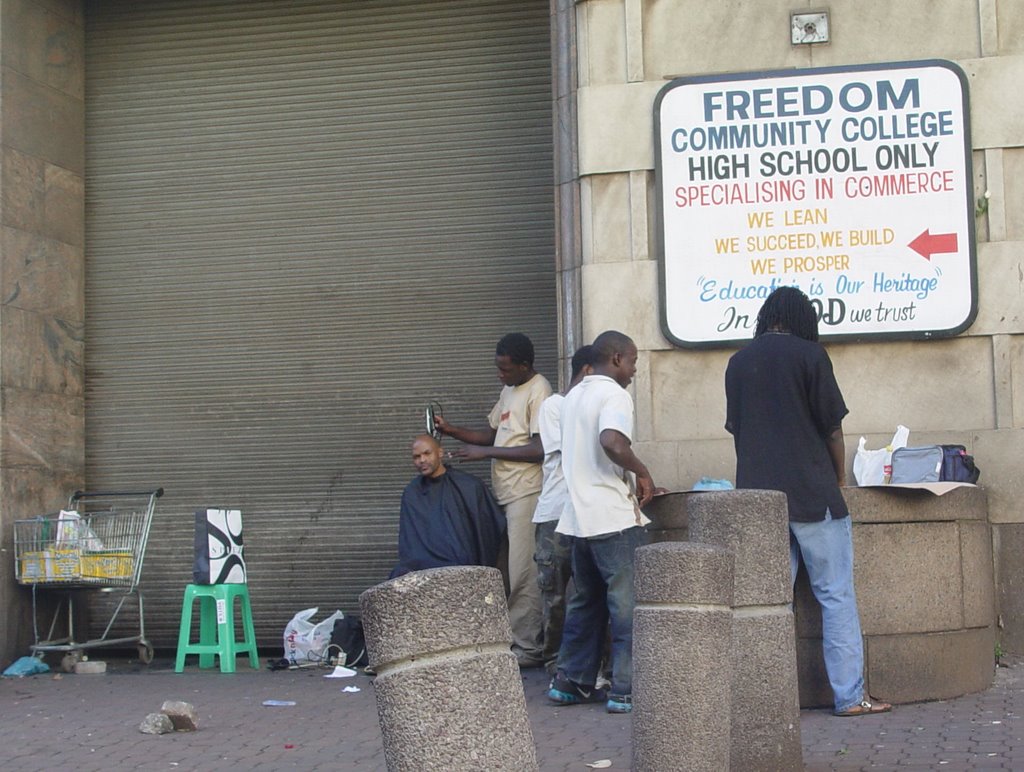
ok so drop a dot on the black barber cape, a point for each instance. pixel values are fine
(451, 520)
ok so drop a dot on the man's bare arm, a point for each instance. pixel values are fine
(620, 451)
(837, 452)
(532, 452)
(462, 434)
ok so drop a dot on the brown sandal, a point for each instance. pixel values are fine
(865, 708)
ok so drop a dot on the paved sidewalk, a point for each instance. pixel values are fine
(91, 723)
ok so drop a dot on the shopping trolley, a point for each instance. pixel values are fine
(98, 543)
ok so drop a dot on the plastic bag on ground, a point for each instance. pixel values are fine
(24, 666)
(306, 642)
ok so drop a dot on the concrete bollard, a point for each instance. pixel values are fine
(681, 657)
(754, 525)
(449, 694)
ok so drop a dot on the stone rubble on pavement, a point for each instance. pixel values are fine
(156, 723)
(182, 715)
(90, 667)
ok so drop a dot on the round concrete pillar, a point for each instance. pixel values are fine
(682, 627)
(754, 526)
(449, 694)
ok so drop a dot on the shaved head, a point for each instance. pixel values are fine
(610, 343)
(615, 356)
(426, 438)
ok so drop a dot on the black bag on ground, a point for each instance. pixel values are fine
(957, 466)
(347, 636)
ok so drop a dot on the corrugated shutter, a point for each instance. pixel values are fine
(305, 220)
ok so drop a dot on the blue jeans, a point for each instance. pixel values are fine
(827, 551)
(602, 570)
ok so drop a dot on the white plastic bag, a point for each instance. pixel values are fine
(72, 533)
(305, 642)
(874, 467)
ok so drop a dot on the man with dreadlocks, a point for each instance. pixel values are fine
(785, 412)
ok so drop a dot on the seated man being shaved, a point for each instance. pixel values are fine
(447, 517)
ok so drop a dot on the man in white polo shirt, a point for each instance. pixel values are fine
(607, 486)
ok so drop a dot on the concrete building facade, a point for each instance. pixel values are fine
(965, 390)
(609, 59)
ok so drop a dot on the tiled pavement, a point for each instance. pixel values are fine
(91, 723)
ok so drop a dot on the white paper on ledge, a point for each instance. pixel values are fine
(936, 488)
(341, 672)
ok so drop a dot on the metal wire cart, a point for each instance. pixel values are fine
(98, 543)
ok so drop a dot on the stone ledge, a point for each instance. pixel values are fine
(907, 505)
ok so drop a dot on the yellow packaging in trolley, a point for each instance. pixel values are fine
(107, 564)
(52, 565)
(32, 567)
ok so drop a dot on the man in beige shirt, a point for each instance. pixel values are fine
(512, 442)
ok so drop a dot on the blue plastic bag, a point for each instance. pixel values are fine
(710, 484)
(24, 666)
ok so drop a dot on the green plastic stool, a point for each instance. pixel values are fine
(216, 626)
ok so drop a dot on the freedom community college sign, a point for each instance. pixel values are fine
(851, 183)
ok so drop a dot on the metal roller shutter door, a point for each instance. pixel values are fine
(304, 221)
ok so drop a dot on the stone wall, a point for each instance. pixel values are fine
(968, 390)
(924, 582)
(923, 573)
(42, 236)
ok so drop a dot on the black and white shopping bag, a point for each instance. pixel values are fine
(218, 547)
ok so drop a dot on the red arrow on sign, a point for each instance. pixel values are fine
(927, 245)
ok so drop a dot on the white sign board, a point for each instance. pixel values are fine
(853, 184)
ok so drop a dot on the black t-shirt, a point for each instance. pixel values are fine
(782, 403)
